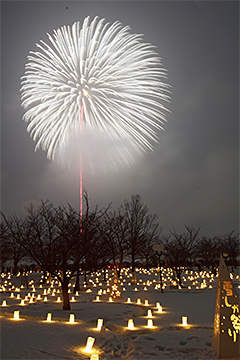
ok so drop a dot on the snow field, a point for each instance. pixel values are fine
(33, 337)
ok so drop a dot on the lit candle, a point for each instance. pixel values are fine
(71, 318)
(22, 302)
(49, 317)
(149, 314)
(58, 299)
(16, 315)
(94, 357)
(110, 299)
(128, 300)
(138, 301)
(146, 302)
(184, 321)
(160, 309)
(89, 345)
(150, 323)
(97, 298)
(130, 324)
(4, 303)
(99, 324)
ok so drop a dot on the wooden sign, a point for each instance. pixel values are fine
(226, 330)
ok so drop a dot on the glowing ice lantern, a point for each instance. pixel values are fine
(130, 324)
(49, 317)
(94, 357)
(89, 345)
(71, 318)
(184, 321)
(99, 324)
(16, 315)
(150, 323)
(4, 303)
(149, 313)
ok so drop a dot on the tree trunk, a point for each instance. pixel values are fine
(133, 270)
(66, 302)
(179, 276)
(44, 277)
(77, 284)
(104, 273)
(26, 282)
(85, 276)
(15, 267)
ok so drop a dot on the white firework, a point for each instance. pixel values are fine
(99, 73)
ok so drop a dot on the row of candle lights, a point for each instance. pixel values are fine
(168, 275)
(130, 325)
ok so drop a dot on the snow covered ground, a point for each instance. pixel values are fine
(32, 337)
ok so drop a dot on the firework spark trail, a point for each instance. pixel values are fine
(81, 183)
(101, 70)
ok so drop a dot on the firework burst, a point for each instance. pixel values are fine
(101, 71)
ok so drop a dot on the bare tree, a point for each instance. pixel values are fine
(179, 249)
(50, 242)
(141, 226)
(13, 233)
(5, 253)
(231, 245)
(112, 230)
(89, 237)
(208, 250)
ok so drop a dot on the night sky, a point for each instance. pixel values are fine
(192, 176)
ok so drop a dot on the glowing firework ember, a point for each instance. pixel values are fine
(100, 73)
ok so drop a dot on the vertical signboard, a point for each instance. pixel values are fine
(226, 330)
